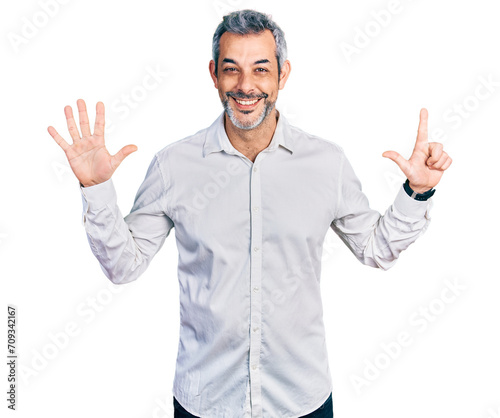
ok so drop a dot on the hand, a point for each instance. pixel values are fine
(88, 157)
(427, 162)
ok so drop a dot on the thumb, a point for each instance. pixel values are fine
(120, 155)
(398, 159)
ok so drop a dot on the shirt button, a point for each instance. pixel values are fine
(254, 366)
(255, 289)
(255, 169)
(255, 329)
(256, 208)
(256, 249)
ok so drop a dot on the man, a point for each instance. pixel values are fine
(251, 199)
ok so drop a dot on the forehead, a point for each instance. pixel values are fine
(251, 47)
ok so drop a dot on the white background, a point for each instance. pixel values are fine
(119, 357)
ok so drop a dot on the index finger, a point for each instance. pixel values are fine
(422, 135)
(73, 130)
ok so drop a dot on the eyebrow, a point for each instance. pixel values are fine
(262, 61)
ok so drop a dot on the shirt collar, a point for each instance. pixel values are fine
(216, 139)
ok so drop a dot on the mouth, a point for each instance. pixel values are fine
(246, 104)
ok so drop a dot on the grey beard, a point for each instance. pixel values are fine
(268, 107)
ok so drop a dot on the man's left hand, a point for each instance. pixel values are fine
(427, 162)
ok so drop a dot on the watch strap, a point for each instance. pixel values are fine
(417, 196)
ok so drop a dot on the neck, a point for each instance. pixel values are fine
(252, 141)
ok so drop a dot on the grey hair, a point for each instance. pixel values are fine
(244, 22)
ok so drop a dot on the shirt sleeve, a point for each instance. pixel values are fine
(124, 247)
(374, 239)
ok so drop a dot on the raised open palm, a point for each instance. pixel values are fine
(87, 155)
(426, 164)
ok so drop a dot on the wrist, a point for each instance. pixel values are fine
(418, 194)
(87, 185)
(92, 183)
(417, 189)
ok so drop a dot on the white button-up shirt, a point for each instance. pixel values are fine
(250, 239)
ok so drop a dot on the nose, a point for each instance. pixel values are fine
(245, 82)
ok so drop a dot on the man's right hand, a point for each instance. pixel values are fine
(87, 156)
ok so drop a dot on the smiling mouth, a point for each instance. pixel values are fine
(246, 104)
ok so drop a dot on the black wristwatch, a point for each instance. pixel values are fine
(415, 195)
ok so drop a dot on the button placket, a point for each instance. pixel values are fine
(256, 295)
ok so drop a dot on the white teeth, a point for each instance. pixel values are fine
(247, 102)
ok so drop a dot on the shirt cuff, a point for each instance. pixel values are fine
(97, 196)
(409, 207)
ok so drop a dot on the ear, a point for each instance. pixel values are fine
(211, 67)
(285, 72)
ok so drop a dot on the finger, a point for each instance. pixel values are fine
(73, 130)
(398, 159)
(446, 164)
(422, 134)
(441, 162)
(120, 155)
(99, 119)
(83, 117)
(58, 138)
(435, 151)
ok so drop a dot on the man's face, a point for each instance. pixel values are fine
(247, 80)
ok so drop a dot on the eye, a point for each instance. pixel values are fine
(261, 70)
(229, 69)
